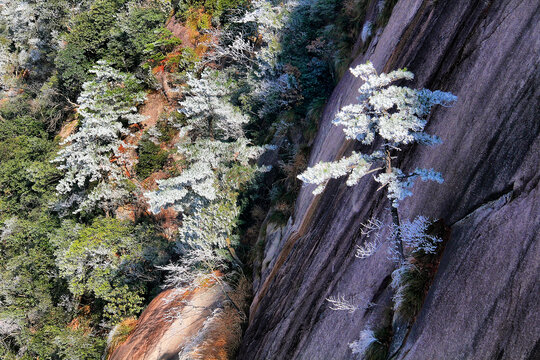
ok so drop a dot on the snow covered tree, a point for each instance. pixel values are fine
(94, 159)
(205, 239)
(208, 111)
(219, 162)
(208, 175)
(213, 142)
(394, 115)
(29, 30)
(270, 21)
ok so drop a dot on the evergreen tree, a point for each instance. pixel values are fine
(94, 159)
(219, 161)
(397, 116)
(213, 141)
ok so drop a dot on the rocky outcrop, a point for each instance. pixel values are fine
(482, 303)
(187, 324)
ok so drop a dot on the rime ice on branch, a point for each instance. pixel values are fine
(395, 114)
(93, 157)
(220, 161)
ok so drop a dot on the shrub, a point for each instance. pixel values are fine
(86, 43)
(157, 50)
(135, 29)
(151, 159)
(119, 334)
(410, 284)
(197, 19)
(216, 8)
(108, 31)
(181, 61)
(373, 345)
(26, 174)
(110, 260)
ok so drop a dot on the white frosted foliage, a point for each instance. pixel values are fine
(339, 303)
(200, 182)
(397, 116)
(415, 237)
(207, 108)
(356, 165)
(360, 346)
(367, 30)
(219, 161)
(93, 157)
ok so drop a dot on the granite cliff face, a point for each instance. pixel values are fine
(483, 303)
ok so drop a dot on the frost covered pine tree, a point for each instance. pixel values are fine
(94, 158)
(212, 140)
(219, 162)
(206, 106)
(397, 115)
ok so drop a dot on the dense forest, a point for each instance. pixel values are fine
(130, 139)
(269, 179)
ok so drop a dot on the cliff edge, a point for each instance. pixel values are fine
(483, 302)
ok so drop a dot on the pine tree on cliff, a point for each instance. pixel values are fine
(389, 117)
(94, 158)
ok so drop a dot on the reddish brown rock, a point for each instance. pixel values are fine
(67, 129)
(199, 324)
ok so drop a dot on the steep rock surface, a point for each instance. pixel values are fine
(483, 302)
(193, 324)
(169, 323)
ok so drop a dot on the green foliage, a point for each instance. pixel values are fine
(197, 19)
(108, 30)
(30, 290)
(26, 175)
(108, 260)
(120, 333)
(73, 66)
(130, 38)
(53, 342)
(410, 293)
(86, 43)
(166, 130)
(14, 117)
(378, 350)
(158, 51)
(217, 8)
(182, 61)
(91, 28)
(151, 159)
(49, 309)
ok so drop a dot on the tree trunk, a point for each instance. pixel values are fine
(394, 211)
